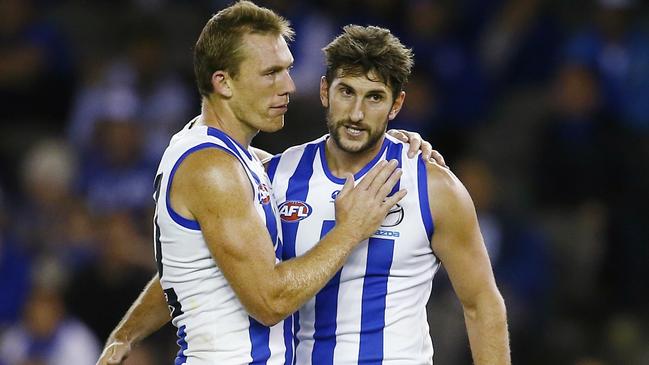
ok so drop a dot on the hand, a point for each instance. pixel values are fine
(416, 144)
(361, 209)
(115, 352)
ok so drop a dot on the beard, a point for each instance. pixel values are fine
(336, 127)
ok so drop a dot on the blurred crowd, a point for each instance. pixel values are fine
(541, 107)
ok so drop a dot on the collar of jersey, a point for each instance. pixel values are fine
(359, 174)
(215, 132)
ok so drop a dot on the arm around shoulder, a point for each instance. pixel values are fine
(212, 187)
(459, 245)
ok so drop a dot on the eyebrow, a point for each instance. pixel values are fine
(369, 92)
(275, 68)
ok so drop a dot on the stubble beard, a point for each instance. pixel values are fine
(335, 127)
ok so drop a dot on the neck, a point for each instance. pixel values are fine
(217, 115)
(341, 162)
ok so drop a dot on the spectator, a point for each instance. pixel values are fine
(52, 219)
(34, 61)
(46, 335)
(154, 95)
(125, 264)
(616, 47)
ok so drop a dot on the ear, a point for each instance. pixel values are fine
(324, 92)
(396, 106)
(221, 83)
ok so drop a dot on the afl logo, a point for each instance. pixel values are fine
(264, 194)
(294, 211)
(394, 217)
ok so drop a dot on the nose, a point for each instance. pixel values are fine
(287, 86)
(356, 114)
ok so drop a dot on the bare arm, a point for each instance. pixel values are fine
(459, 245)
(147, 314)
(211, 187)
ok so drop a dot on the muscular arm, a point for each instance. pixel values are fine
(212, 187)
(147, 314)
(459, 245)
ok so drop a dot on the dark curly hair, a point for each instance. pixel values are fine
(360, 50)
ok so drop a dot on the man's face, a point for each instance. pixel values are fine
(260, 92)
(358, 110)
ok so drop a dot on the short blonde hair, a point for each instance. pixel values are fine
(219, 45)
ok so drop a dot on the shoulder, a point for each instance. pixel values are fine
(449, 200)
(210, 170)
(441, 179)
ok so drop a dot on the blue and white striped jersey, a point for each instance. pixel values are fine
(373, 311)
(213, 327)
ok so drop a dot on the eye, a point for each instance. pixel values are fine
(376, 98)
(346, 91)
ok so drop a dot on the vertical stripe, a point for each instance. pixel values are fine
(269, 214)
(272, 166)
(279, 250)
(296, 330)
(394, 153)
(288, 340)
(181, 358)
(271, 226)
(424, 206)
(259, 338)
(326, 309)
(375, 287)
(298, 188)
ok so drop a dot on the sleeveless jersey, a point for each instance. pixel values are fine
(373, 311)
(213, 326)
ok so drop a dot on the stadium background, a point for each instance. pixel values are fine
(540, 106)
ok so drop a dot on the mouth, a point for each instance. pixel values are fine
(353, 131)
(280, 106)
(280, 109)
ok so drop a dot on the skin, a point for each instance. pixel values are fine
(257, 98)
(210, 182)
(147, 314)
(358, 110)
